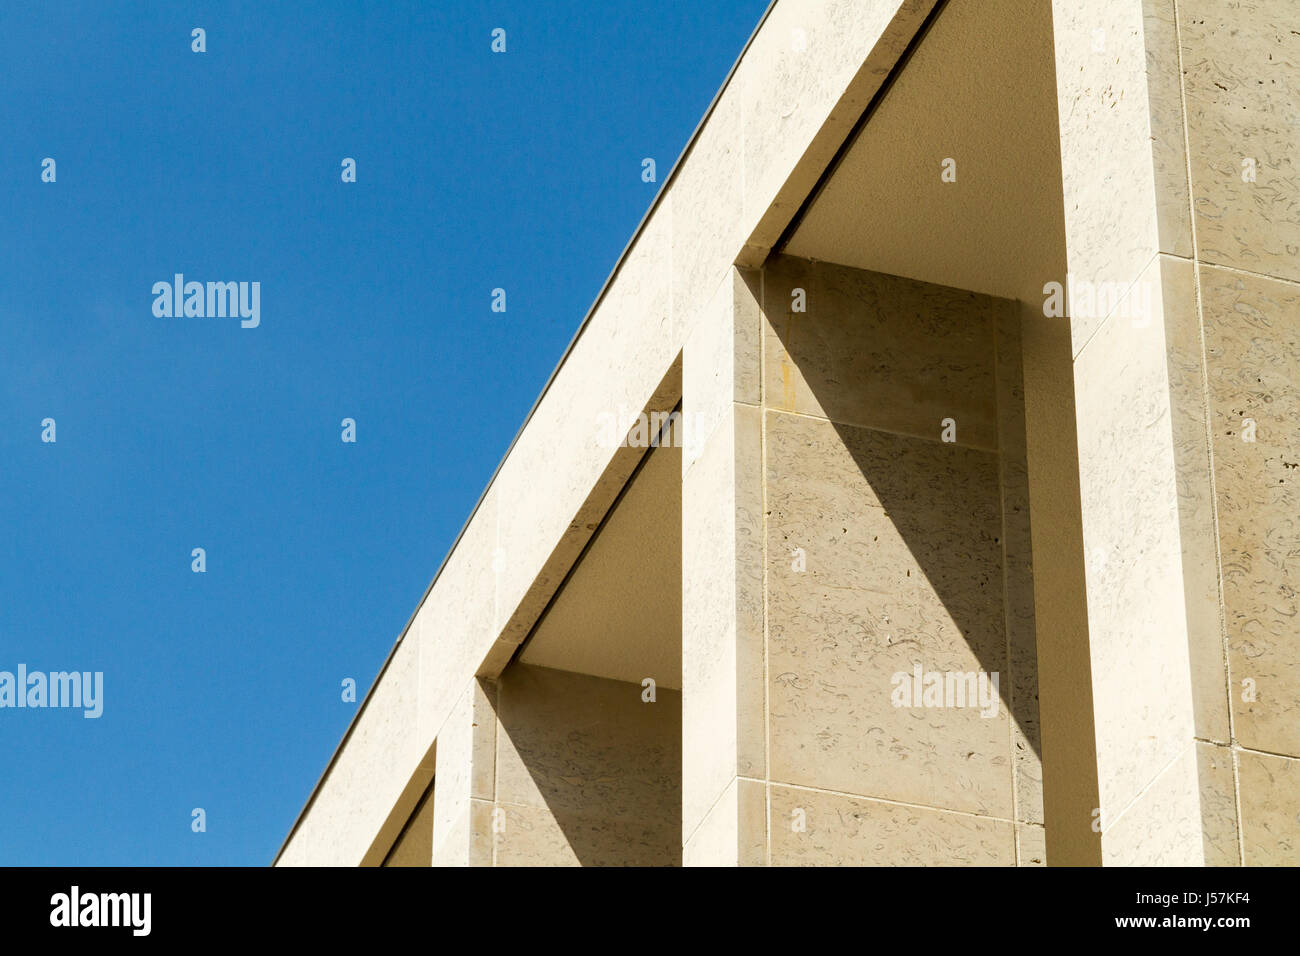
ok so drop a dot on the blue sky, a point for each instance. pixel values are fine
(474, 171)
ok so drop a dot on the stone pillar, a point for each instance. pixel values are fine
(464, 780)
(724, 759)
(1235, 373)
(1155, 707)
(848, 517)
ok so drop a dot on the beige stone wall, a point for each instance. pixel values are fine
(855, 544)
(588, 772)
(1239, 318)
(550, 768)
(1178, 152)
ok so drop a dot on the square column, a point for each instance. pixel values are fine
(854, 526)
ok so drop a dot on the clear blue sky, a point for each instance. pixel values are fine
(474, 170)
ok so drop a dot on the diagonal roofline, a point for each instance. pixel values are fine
(654, 204)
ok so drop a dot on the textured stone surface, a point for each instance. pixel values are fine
(464, 770)
(805, 80)
(1168, 145)
(1060, 592)
(734, 833)
(881, 351)
(534, 836)
(1218, 805)
(722, 625)
(1270, 808)
(1252, 335)
(1241, 62)
(588, 754)
(1195, 498)
(1031, 845)
(903, 568)
(709, 372)
(747, 330)
(720, 361)
(954, 183)
(708, 197)
(709, 639)
(1136, 612)
(1112, 220)
(850, 831)
(1162, 826)
(722, 588)
(716, 839)
(1017, 556)
(619, 613)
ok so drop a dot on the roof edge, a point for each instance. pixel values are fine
(618, 265)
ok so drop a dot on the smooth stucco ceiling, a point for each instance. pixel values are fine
(619, 615)
(980, 89)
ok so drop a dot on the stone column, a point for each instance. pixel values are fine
(464, 782)
(724, 760)
(854, 510)
(1145, 556)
